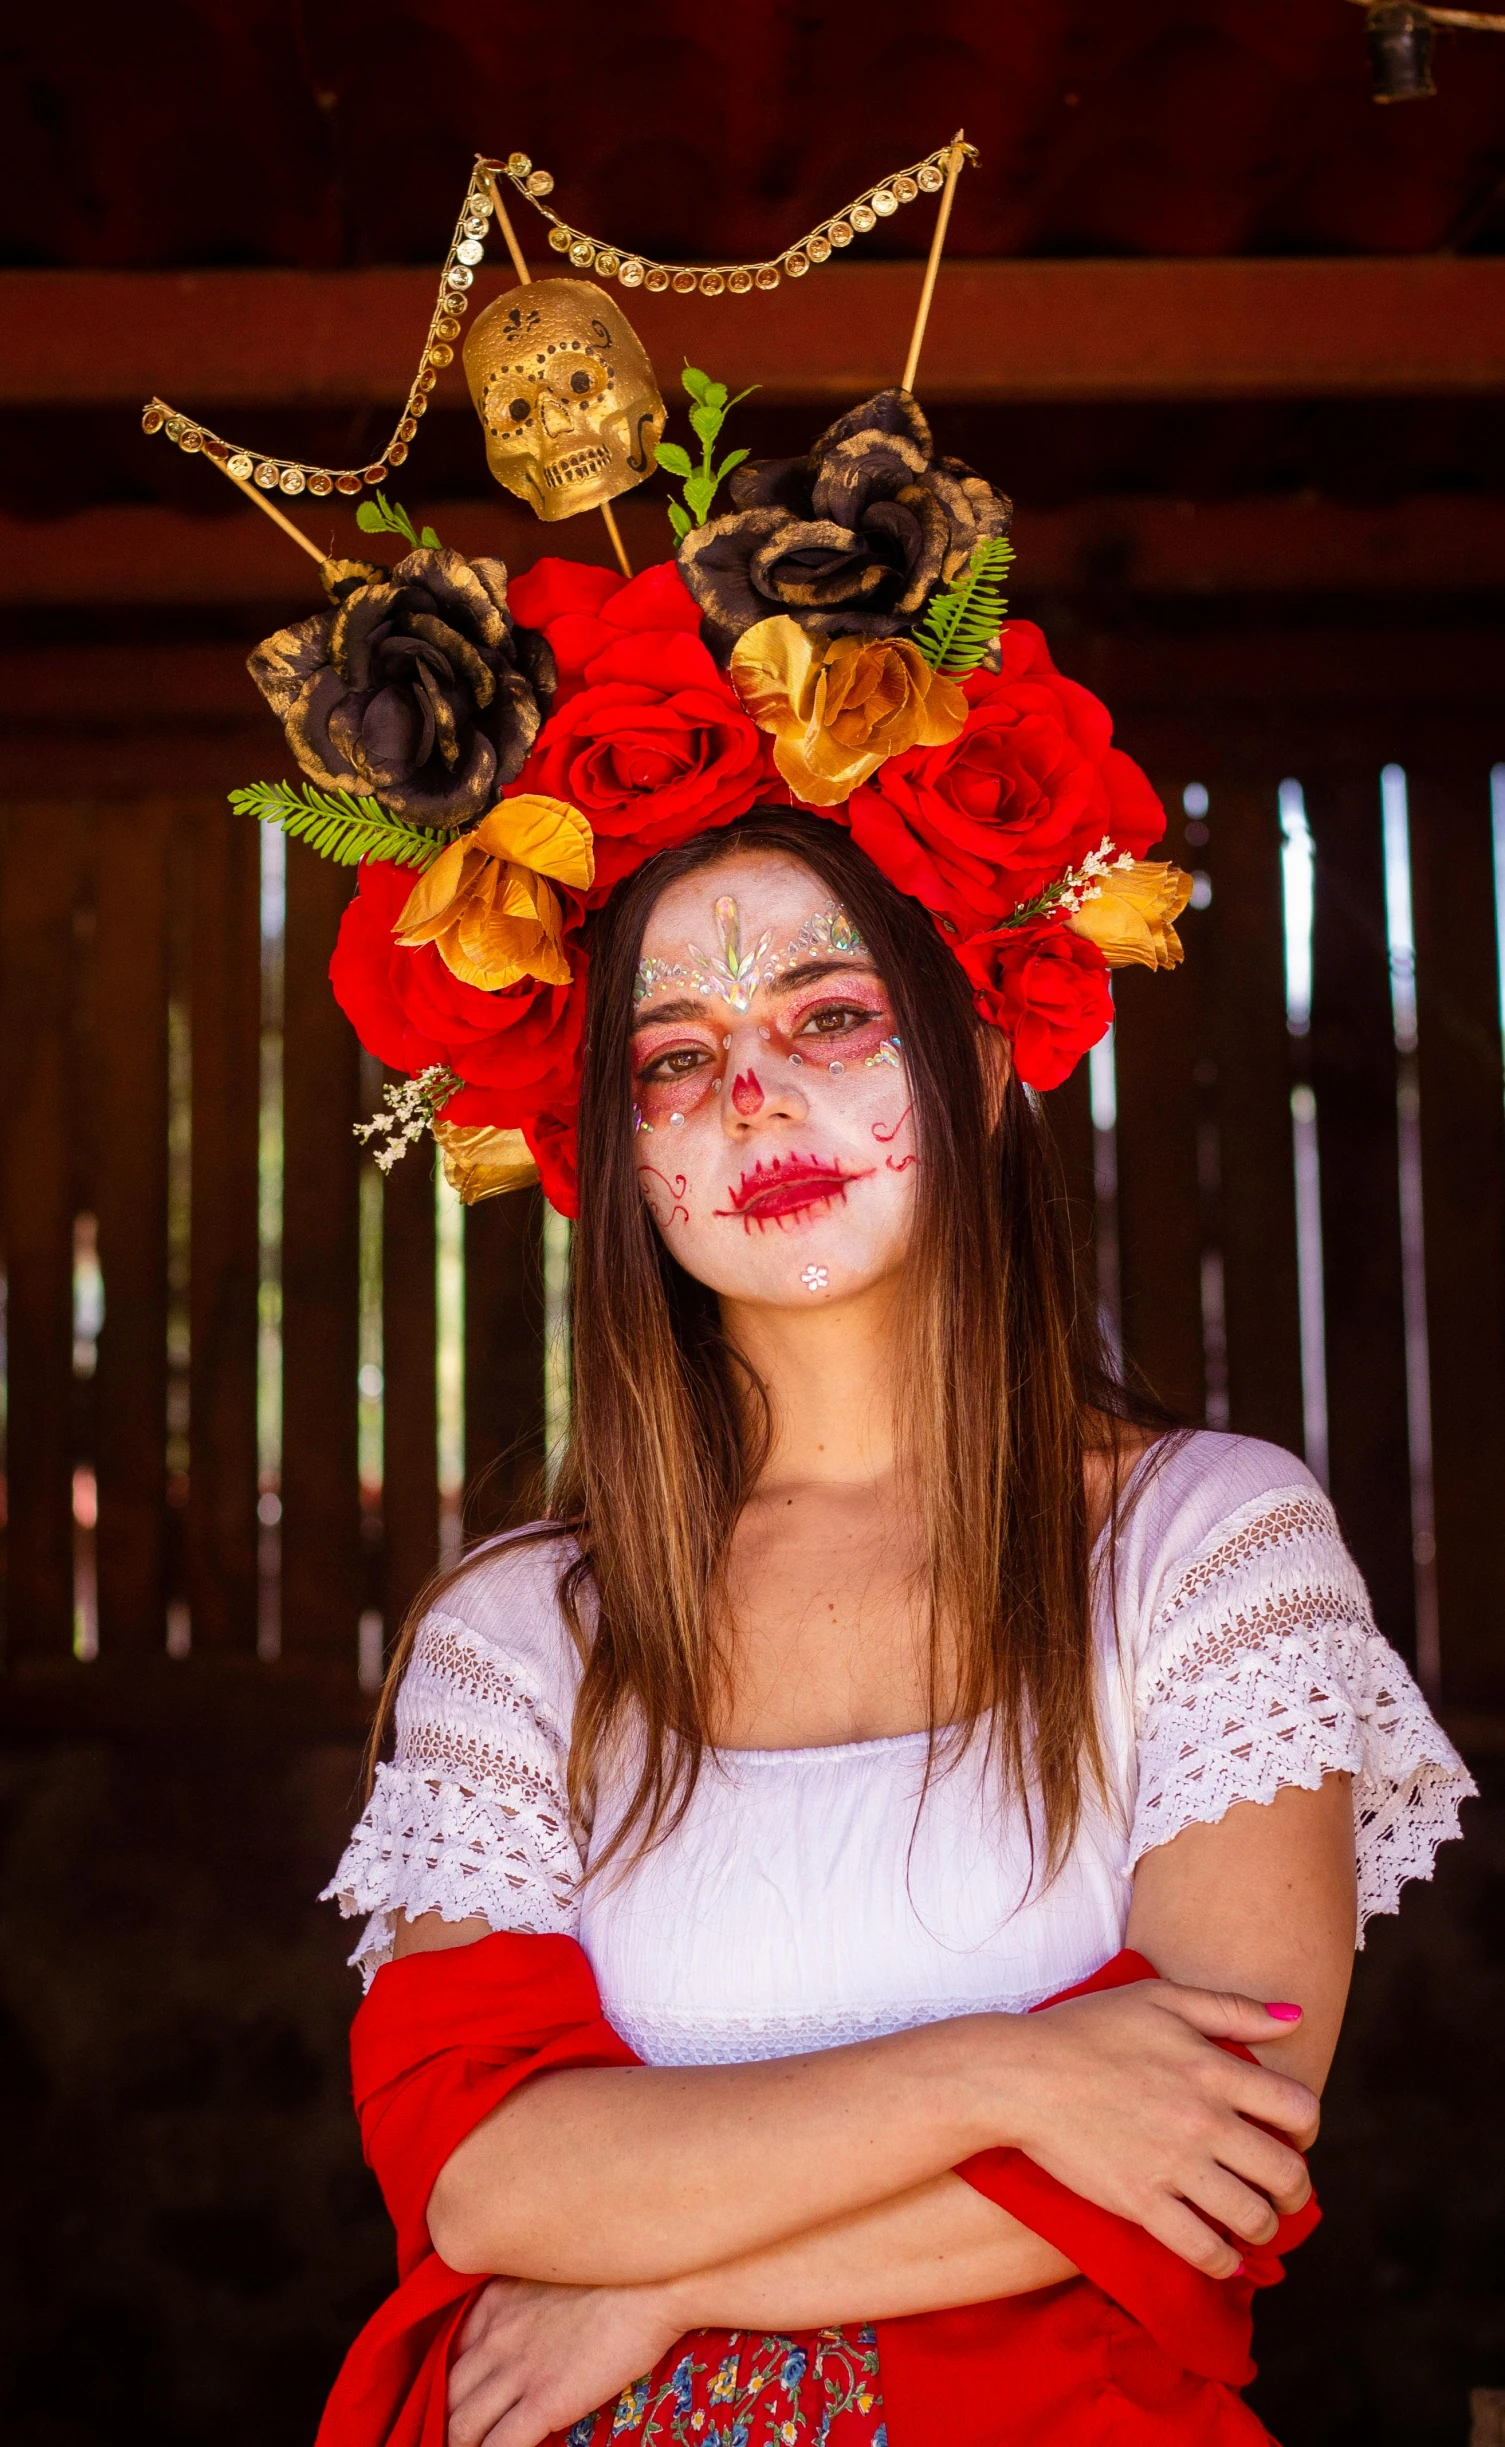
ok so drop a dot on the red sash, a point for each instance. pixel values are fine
(1139, 2349)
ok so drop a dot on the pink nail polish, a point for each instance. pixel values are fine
(1284, 2013)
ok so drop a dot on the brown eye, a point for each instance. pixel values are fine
(519, 409)
(580, 381)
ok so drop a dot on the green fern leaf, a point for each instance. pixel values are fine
(960, 625)
(339, 826)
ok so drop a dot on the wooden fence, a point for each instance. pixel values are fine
(170, 1557)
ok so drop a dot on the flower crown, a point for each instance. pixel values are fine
(502, 752)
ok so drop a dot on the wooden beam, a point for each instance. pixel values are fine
(1224, 327)
(1426, 543)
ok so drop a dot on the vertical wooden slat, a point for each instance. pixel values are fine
(1159, 1220)
(37, 883)
(504, 1323)
(224, 854)
(410, 1487)
(129, 1065)
(1352, 1062)
(1240, 946)
(1463, 1199)
(321, 1526)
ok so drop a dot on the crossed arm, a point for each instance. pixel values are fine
(815, 2190)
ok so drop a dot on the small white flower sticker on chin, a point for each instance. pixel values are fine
(815, 1278)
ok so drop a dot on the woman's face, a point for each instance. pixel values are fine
(774, 1137)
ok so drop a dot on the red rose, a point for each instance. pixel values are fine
(567, 600)
(650, 742)
(1047, 989)
(1032, 784)
(551, 1137)
(410, 1011)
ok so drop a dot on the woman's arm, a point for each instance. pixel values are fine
(1264, 1902)
(622, 2178)
(925, 2250)
(535, 2357)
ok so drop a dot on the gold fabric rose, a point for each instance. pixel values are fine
(481, 1161)
(1130, 916)
(487, 903)
(837, 706)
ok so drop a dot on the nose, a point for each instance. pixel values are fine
(762, 1091)
(555, 415)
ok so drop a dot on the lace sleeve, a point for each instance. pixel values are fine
(469, 1818)
(1264, 1668)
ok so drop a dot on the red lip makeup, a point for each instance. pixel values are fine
(787, 1185)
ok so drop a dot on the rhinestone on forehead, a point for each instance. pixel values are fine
(736, 975)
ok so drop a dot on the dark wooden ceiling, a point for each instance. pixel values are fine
(203, 132)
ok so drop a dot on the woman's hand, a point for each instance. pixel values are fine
(1123, 2097)
(534, 2358)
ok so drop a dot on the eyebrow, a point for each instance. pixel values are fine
(807, 972)
(693, 1006)
(688, 1007)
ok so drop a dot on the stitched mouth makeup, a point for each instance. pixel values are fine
(786, 1186)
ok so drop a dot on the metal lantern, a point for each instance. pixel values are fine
(1400, 38)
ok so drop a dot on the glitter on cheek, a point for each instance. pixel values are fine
(836, 1069)
(887, 1056)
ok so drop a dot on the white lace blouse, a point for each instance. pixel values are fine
(807, 1897)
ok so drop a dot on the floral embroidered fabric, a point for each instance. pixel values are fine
(819, 2390)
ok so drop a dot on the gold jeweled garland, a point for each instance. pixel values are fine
(273, 473)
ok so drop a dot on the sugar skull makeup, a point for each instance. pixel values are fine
(774, 1134)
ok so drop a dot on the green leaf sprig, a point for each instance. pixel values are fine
(338, 825)
(961, 623)
(709, 410)
(383, 517)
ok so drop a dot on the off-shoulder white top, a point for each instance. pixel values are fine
(808, 1896)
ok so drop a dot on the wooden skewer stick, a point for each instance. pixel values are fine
(617, 545)
(519, 265)
(252, 494)
(922, 316)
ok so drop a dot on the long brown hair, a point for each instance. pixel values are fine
(1002, 1391)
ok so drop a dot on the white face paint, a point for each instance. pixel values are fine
(775, 1141)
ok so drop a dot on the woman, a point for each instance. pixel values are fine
(883, 1670)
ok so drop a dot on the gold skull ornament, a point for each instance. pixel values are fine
(564, 388)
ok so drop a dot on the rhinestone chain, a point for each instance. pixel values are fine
(589, 254)
(466, 250)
